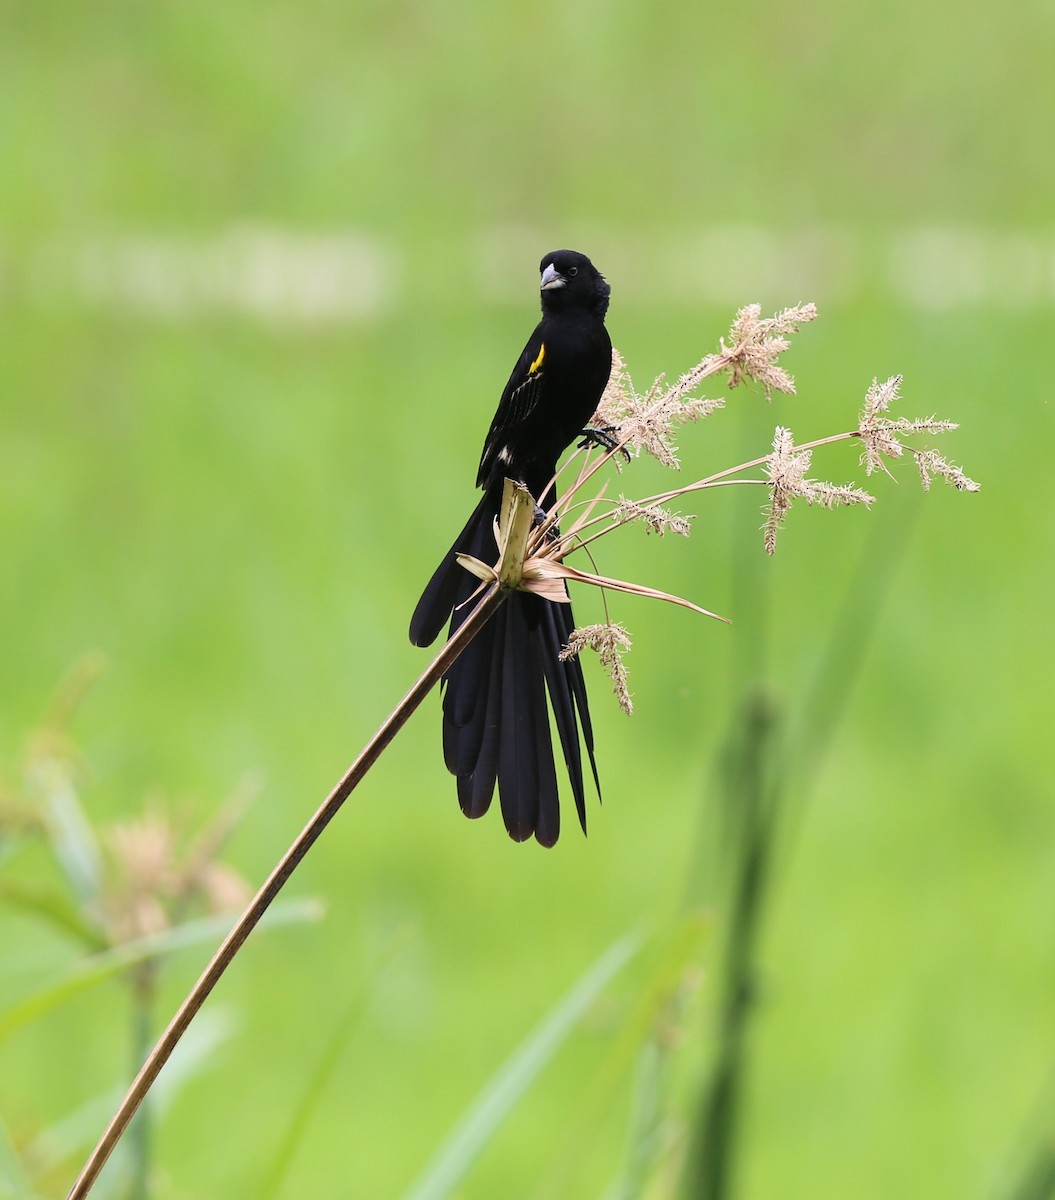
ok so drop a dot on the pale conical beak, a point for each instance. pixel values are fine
(551, 278)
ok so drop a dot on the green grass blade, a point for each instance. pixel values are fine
(14, 1183)
(324, 1070)
(490, 1108)
(87, 972)
(72, 837)
(52, 906)
(656, 1019)
(70, 1135)
(1038, 1179)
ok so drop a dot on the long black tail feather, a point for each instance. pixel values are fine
(451, 584)
(496, 722)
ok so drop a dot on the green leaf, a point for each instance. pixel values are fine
(89, 971)
(53, 906)
(72, 837)
(490, 1108)
(678, 954)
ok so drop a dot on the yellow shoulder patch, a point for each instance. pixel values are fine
(538, 361)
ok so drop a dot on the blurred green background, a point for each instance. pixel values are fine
(263, 272)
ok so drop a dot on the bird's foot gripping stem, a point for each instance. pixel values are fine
(604, 438)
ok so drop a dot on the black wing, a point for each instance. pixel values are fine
(520, 398)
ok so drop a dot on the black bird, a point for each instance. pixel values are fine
(496, 725)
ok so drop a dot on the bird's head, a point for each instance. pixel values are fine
(570, 280)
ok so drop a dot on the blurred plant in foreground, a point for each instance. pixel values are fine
(137, 878)
(127, 894)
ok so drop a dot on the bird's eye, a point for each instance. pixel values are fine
(573, 270)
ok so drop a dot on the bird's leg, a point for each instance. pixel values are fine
(540, 518)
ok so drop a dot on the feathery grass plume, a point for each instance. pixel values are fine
(876, 435)
(154, 878)
(646, 423)
(611, 642)
(880, 436)
(758, 342)
(931, 463)
(786, 470)
(618, 398)
(654, 517)
(144, 858)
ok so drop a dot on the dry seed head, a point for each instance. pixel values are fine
(145, 877)
(618, 397)
(878, 432)
(655, 517)
(786, 470)
(879, 397)
(144, 853)
(646, 423)
(881, 436)
(153, 878)
(611, 642)
(757, 343)
(931, 463)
